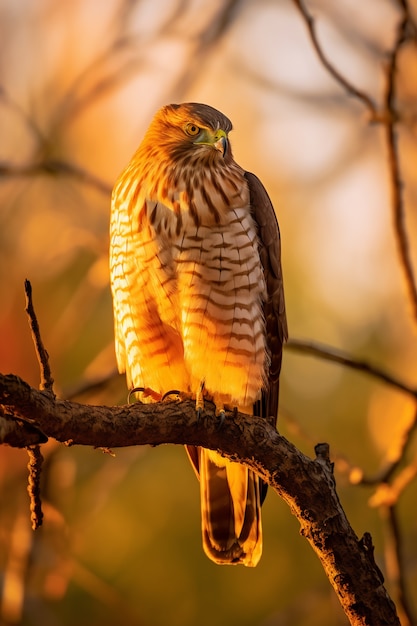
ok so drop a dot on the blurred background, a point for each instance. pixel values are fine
(79, 83)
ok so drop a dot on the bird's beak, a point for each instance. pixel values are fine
(217, 139)
(221, 142)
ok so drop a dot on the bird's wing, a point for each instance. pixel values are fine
(274, 305)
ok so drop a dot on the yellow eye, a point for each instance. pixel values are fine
(192, 129)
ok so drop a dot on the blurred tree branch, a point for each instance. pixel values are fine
(306, 485)
(329, 353)
(328, 65)
(55, 167)
(389, 486)
(389, 117)
(406, 32)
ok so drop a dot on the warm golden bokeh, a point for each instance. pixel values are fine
(79, 83)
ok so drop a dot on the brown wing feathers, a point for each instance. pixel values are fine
(274, 306)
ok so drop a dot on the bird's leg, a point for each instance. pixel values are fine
(199, 404)
(220, 410)
(199, 400)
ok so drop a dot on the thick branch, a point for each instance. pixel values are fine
(306, 485)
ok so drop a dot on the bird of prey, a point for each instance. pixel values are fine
(198, 298)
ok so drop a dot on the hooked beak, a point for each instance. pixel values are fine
(216, 139)
(221, 143)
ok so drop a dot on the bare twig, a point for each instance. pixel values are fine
(28, 120)
(388, 494)
(211, 35)
(338, 76)
(34, 467)
(393, 560)
(390, 121)
(54, 167)
(336, 356)
(386, 472)
(47, 381)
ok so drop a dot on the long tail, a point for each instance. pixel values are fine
(230, 509)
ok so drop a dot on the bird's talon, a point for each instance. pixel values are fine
(147, 392)
(172, 392)
(198, 412)
(222, 416)
(133, 391)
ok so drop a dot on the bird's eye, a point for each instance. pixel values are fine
(192, 129)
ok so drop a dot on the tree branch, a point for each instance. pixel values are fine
(389, 117)
(306, 485)
(55, 167)
(328, 353)
(47, 382)
(405, 31)
(328, 65)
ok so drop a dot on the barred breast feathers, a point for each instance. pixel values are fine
(192, 238)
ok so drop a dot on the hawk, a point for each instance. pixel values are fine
(198, 298)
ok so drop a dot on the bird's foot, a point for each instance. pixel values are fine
(220, 412)
(199, 405)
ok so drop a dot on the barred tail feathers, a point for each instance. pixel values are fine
(230, 510)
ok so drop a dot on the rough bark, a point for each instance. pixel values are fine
(307, 485)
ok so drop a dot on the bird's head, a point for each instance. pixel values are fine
(185, 163)
(190, 128)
